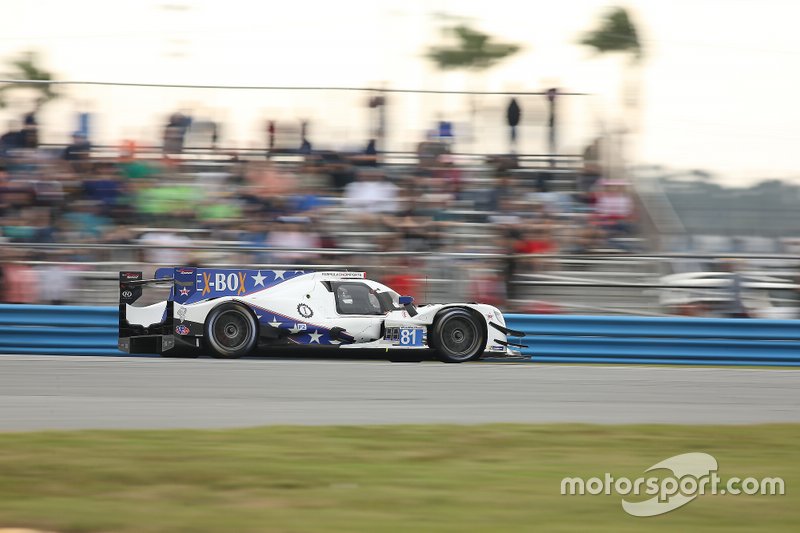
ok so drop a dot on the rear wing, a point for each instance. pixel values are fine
(131, 283)
(145, 332)
(191, 284)
(130, 288)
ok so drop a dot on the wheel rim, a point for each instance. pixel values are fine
(232, 330)
(460, 337)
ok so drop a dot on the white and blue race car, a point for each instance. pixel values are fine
(232, 312)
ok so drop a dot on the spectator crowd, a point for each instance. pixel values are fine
(289, 210)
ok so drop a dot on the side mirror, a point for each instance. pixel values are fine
(406, 300)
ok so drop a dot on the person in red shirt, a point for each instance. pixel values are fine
(537, 240)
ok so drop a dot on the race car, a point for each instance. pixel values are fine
(232, 312)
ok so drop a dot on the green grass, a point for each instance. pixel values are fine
(379, 479)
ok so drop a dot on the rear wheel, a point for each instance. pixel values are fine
(457, 336)
(231, 331)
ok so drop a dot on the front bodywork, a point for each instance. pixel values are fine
(334, 309)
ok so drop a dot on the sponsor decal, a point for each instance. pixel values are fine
(184, 291)
(206, 283)
(299, 326)
(497, 348)
(344, 275)
(305, 311)
(185, 271)
(127, 294)
(182, 313)
(181, 329)
(130, 275)
(222, 282)
(242, 289)
(258, 279)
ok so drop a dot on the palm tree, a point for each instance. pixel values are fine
(617, 33)
(473, 51)
(27, 68)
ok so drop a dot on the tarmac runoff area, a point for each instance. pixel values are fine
(39, 392)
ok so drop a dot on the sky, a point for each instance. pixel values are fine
(718, 87)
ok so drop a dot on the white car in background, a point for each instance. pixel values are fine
(762, 296)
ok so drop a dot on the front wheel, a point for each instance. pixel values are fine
(231, 331)
(457, 336)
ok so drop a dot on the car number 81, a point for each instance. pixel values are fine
(411, 336)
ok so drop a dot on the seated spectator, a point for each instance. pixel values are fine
(614, 209)
(486, 286)
(301, 203)
(371, 194)
(87, 220)
(416, 229)
(106, 188)
(19, 279)
(166, 202)
(58, 278)
(132, 168)
(78, 152)
(269, 179)
(18, 227)
(592, 169)
(224, 207)
(11, 140)
(291, 237)
(401, 279)
(507, 213)
(340, 171)
(49, 192)
(175, 133)
(502, 189)
(448, 176)
(166, 248)
(429, 151)
(537, 239)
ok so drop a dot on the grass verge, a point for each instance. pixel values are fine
(389, 478)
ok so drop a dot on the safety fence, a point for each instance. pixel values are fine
(79, 330)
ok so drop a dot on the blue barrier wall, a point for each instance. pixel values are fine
(659, 340)
(58, 329)
(42, 329)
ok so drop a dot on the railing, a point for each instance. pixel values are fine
(557, 163)
(479, 126)
(583, 284)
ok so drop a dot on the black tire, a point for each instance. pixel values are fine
(231, 331)
(457, 336)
